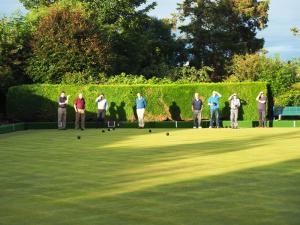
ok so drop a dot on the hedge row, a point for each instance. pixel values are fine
(38, 103)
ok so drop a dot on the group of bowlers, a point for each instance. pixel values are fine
(234, 103)
(102, 107)
(197, 107)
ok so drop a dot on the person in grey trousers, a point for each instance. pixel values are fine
(62, 110)
(262, 109)
(197, 106)
(235, 104)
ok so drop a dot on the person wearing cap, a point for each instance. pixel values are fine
(197, 107)
(235, 103)
(140, 109)
(62, 110)
(262, 109)
(79, 106)
(214, 104)
(102, 107)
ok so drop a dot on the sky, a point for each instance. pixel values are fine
(278, 39)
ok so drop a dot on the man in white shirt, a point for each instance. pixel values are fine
(235, 103)
(102, 107)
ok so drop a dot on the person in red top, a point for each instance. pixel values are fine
(79, 106)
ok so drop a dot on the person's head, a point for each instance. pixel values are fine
(196, 95)
(62, 94)
(138, 95)
(80, 95)
(234, 96)
(214, 93)
(261, 94)
(101, 96)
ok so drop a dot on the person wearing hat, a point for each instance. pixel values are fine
(262, 109)
(235, 103)
(102, 107)
(214, 104)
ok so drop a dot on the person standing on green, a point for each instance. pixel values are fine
(62, 110)
(214, 104)
(262, 109)
(197, 107)
(79, 106)
(140, 109)
(235, 103)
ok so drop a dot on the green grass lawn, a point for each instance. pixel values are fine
(129, 176)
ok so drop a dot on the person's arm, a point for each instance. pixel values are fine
(239, 103)
(258, 96)
(83, 105)
(106, 106)
(209, 102)
(218, 94)
(263, 102)
(68, 96)
(231, 96)
(75, 107)
(97, 99)
(60, 103)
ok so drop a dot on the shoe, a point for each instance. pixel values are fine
(194, 127)
(218, 127)
(200, 127)
(210, 126)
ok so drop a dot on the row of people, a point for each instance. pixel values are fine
(197, 108)
(102, 107)
(234, 103)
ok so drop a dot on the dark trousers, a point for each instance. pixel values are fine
(214, 113)
(100, 118)
(80, 116)
(262, 118)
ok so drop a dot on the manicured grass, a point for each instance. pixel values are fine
(129, 176)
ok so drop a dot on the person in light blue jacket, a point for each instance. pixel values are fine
(214, 104)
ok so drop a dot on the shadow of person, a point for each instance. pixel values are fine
(241, 109)
(112, 112)
(134, 112)
(175, 112)
(225, 113)
(121, 113)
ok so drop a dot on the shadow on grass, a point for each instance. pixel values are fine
(262, 195)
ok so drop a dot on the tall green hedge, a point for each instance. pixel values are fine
(38, 103)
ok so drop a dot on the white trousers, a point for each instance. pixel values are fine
(140, 113)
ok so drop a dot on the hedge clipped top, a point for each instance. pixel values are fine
(165, 102)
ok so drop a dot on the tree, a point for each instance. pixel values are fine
(216, 30)
(139, 44)
(66, 41)
(14, 49)
(279, 74)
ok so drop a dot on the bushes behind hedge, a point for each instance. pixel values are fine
(38, 103)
